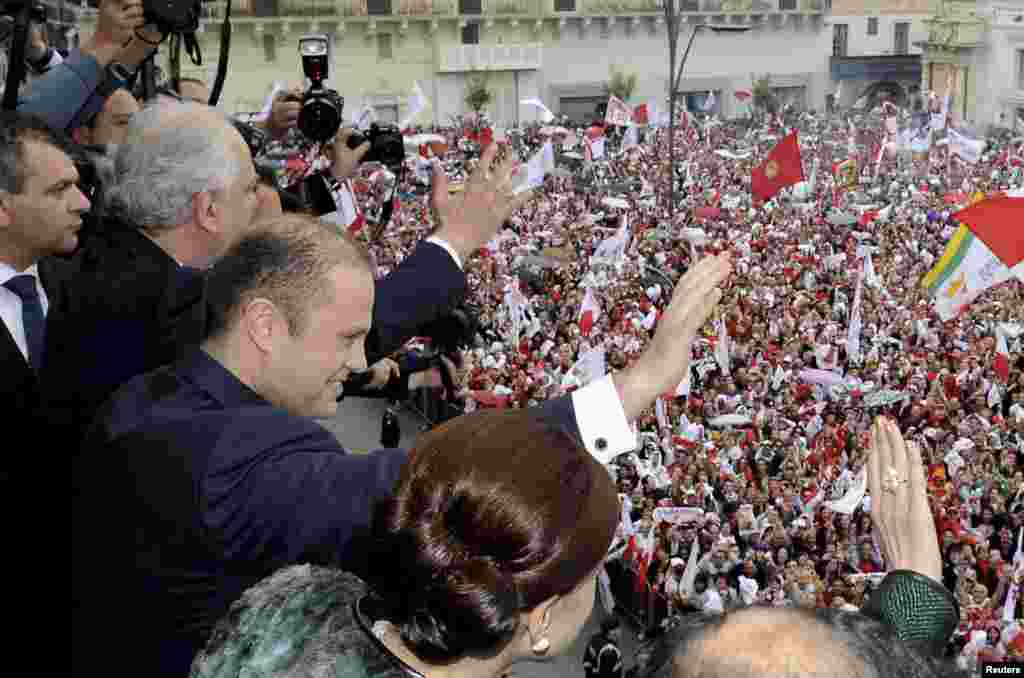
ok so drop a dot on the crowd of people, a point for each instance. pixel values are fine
(766, 523)
(695, 359)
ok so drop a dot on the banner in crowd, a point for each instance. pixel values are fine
(678, 515)
(997, 221)
(618, 112)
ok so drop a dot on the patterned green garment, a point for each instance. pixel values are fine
(299, 622)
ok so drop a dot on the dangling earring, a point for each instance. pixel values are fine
(543, 645)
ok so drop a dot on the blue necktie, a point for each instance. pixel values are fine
(32, 316)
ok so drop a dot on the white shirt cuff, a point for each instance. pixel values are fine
(440, 242)
(602, 422)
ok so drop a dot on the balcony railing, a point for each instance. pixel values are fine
(467, 58)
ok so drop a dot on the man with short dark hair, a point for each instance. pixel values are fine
(41, 212)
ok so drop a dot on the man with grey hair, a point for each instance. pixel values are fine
(185, 189)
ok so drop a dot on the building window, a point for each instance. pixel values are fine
(470, 7)
(471, 33)
(872, 26)
(1020, 69)
(565, 5)
(902, 38)
(787, 5)
(840, 40)
(270, 47)
(384, 46)
(689, 5)
(378, 7)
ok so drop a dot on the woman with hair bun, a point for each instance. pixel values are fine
(489, 550)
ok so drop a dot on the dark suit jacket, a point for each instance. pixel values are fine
(128, 308)
(20, 390)
(191, 489)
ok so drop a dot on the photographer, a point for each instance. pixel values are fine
(66, 94)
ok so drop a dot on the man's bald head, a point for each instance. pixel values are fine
(795, 643)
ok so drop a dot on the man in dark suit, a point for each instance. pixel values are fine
(41, 212)
(185, 190)
(204, 476)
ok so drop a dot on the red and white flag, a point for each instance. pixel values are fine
(1001, 366)
(590, 312)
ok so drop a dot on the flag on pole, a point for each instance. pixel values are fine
(532, 175)
(853, 333)
(590, 312)
(967, 149)
(1001, 366)
(710, 101)
(783, 167)
(642, 114)
(846, 174)
(546, 115)
(997, 222)
(594, 148)
(630, 138)
(618, 112)
(417, 104)
(964, 271)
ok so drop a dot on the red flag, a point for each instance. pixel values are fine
(640, 114)
(486, 138)
(358, 224)
(782, 168)
(423, 151)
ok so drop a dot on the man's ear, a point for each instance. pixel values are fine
(205, 212)
(261, 323)
(5, 209)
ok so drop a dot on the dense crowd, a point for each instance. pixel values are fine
(772, 494)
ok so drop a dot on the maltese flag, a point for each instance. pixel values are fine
(541, 164)
(417, 104)
(546, 115)
(590, 312)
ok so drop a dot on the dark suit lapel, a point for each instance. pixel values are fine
(12, 358)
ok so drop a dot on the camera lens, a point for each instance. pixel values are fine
(319, 118)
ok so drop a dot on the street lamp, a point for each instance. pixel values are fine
(674, 25)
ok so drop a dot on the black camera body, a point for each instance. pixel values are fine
(37, 11)
(170, 16)
(386, 145)
(322, 107)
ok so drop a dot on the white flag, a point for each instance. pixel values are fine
(853, 333)
(710, 101)
(597, 148)
(630, 138)
(723, 351)
(417, 103)
(546, 115)
(532, 176)
(969, 150)
(618, 112)
(853, 497)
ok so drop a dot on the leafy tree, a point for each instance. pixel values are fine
(620, 84)
(478, 94)
(764, 98)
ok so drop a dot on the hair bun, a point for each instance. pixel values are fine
(468, 608)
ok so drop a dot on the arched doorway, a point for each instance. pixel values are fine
(876, 93)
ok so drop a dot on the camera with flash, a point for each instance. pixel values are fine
(320, 115)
